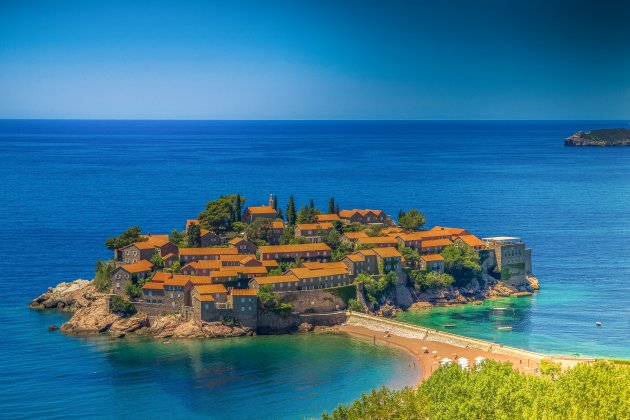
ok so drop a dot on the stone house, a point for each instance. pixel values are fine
(305, 252)
(310, 279)
(320, 218)
(217, 291)
(244, 304)
(434, 246)
(313, 232)
(355, 264)
(240, 260)
(169, 259)
(205, 308)
(275, 233)
(284, 283)
(153, 292)
(270, 264)
(258, 212)
(377, 241)
(243, 246)
(126, 273)
(350, 238)
(187, 255)
(174, 292)
(209, 238)
(513, 258)
(470, 241)
(364, 217)
(144, 250)
(432, 262)
(414, 239)
(201, 268)
(388, 258)
(453, 232)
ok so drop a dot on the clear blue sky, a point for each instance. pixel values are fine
(438, 59)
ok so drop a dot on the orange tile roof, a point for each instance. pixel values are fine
(355, 235)
(319, 265)
(168, 256)
(392, 230)
(327, 217)
(176, 281)
(200, 279)
(207, 251)
(236, 240)
(156, 240)
(142, 245)
(277, 224)
(137, 267)
(205, 265)
(367, 252)
(315, 226)
(346, 214)
(436, 242)
(289, 278)
(261, 210)
(204, 298)
(152, 285)
(210, 288)
(377, 240)
(452, 231)
(270, 263)
(355, 257)
(237, 257)
(271, 249)
(472, 240)
(250, 270)
(307, 273)
(432, 257)
(387, 252)
(191, 222)
(423, 234)
(223, 273)
(244, 292)
(205, 232)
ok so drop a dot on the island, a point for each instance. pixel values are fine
(609, 137)
(238, 271)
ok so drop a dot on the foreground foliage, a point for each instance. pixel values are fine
(496, 391)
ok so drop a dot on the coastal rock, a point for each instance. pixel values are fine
(67, 296)
(615, 137)
(53, 328)
(305, 327)
(420, 306)
(388, 311)
(173, 326)
(502, 289)
(129, 324)
(92, 319)
(533, 282)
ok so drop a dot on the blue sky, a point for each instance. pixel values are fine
(339, 59)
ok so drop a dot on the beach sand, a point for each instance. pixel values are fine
(431, 361)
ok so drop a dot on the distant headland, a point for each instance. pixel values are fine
(608, 137)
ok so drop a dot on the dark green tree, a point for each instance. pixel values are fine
(279, 214)
(311, 205)
(238, 209)
(259, 230)
(307, 215)
(331, 206)
(102, 276)
(157, 261)
(274, 202)
(411, 220)
(194, 236)
(336, 208)
(129, 236)
(178, 238)
(220, 213)
(462, 263)
(291, 212)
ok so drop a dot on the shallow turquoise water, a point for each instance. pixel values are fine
(65, 186)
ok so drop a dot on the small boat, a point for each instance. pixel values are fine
(504, 328)
(449, 326)
(599, 324)
(499, 309)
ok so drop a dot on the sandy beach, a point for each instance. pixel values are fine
(431, 361)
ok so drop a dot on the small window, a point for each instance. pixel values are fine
(242, 309)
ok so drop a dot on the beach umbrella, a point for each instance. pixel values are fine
(434, 352)
(445, 361)
(479, 359)
(462, 360)
(425, 348)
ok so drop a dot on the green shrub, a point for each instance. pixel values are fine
(103, 276)
(344, 292)
(230, 321)
(121, 306)
(356, 306)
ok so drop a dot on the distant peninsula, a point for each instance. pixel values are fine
(605, 137)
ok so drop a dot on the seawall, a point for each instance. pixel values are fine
(402, 329)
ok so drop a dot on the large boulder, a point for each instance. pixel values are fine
(92, 319)
(67, 296)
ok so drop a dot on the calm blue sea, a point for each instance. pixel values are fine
(67, 185)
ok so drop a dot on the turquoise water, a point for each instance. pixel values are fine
(67, 185)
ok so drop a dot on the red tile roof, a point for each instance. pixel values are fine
(327, 217)
(261, 210)
(432, 257)
(208, 251)
(472, 240)
(244, 292)
(289, 278)
(346, 214)
(436, 242)
(315, 226)
(137, 267)
(151, 285)
(374, 240)
(387, 252)
(210, 288)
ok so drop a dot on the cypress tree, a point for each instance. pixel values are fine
(400, 214)
(311, 205)
(237, 208)
(291, 212)
(331, 205)
(279, 214)
(336, 208)
(274, 202)
(194, 236)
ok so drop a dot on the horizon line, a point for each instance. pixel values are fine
(309, 120)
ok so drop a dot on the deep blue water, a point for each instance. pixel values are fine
(67, 185)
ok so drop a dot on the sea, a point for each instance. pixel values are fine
(65, 186)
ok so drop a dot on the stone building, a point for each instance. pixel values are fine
(388, 258)
(258, 212)
(144, 250)
(364, 217)
(187, 255)
(284, 283)
(305, 252)
(209, 238)
(243, 246)
(129, 273)
(244, 305)
(432, 262)
(313, 232)
(311, 279)
(377, 241)
(514, 259)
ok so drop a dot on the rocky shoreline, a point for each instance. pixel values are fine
(91, 317)
(619, 137)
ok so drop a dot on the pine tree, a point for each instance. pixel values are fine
(311, 205)
(291, 212)
(331, 205)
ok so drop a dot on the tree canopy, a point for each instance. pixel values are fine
(194, 236)
(221, 213)
(462, 263)
(411, 220)
(128, 237)
(497, 391)
(259, 230)
(375, 288)
(291, 212)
